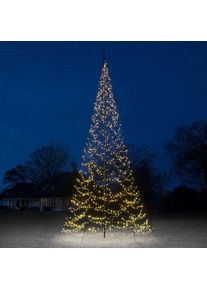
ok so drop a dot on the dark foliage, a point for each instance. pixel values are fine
(21, 189)
(184, 199)
(46, 173)
(16, 175)
(148, 179)
(46, 164)
(188, 150)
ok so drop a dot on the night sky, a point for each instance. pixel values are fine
(47, 91)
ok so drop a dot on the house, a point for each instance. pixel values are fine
(26, 196)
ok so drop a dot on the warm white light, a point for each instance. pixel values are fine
(105, 194)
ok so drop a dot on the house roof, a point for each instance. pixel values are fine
(26, 190)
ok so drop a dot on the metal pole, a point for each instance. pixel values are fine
(104, 158)
(104, 56)
(104, 181)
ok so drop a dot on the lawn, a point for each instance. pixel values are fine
(36, 229)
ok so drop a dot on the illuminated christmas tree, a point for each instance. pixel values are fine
(105, 197)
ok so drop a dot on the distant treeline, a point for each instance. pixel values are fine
(50, 170)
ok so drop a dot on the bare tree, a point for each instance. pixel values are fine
(188, 150)
(45, 164)
(41, 169)
(16, 175)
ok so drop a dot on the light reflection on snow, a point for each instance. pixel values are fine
(112, 240)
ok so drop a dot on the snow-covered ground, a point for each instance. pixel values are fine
(34, 229)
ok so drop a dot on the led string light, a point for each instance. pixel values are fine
(105, 195)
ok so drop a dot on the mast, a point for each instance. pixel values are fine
(104, 157)
(104, 56)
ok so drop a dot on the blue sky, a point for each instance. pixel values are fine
(47, 91)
